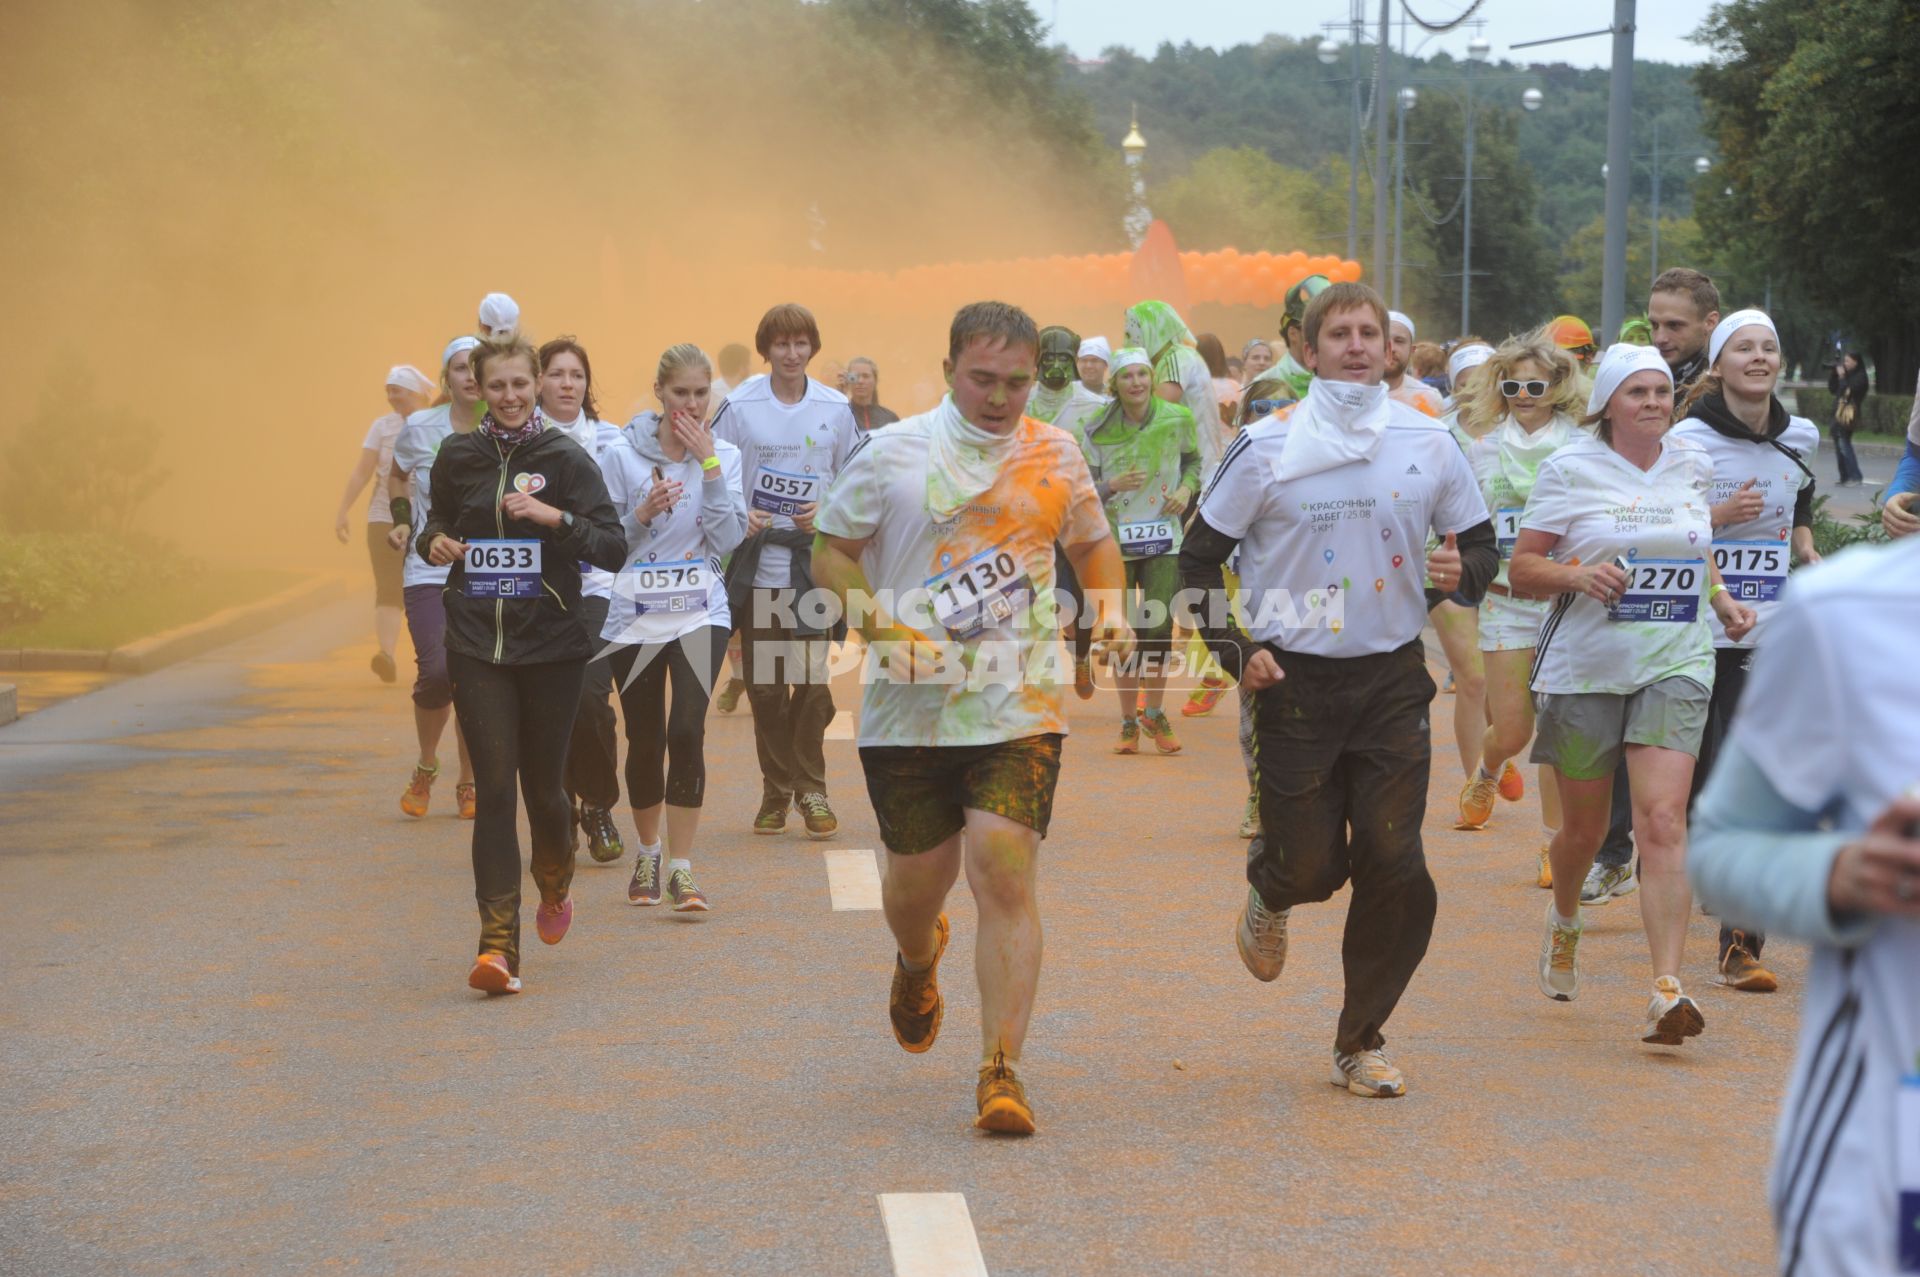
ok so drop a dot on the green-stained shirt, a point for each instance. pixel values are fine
(1166, 449)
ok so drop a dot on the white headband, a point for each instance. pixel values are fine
(455, 346)
(1395, 317)
(1097, 347)
(1619, 363)
(407, 377)
(499, 315)
(1724, 331)
(1467, 357)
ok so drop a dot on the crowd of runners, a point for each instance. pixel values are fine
(1596, 538)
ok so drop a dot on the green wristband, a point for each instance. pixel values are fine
(401, 509)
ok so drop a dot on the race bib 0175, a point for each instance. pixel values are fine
(502, 570)
(1754, 571)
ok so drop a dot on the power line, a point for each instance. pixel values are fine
(1439, 27)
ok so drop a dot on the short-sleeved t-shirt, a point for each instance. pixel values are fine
(989, 571)
(413, 452)
(1753, 555)
(1604, 507)
(1156, 448)
(1419, 396)
(789, 454)
(1333, 563)
(1184, 365)
(379, 440)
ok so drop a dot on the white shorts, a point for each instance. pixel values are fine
(1510, 625)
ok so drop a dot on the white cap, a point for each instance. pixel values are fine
(1127, 357)
(455, 346)
(499, 316)
(1098, 348)
(1619, 363)
(1723, 332)
(1395, 317)
(407, 377)
(1466, 357)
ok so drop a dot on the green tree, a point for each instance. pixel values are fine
(1239, 197)
(1813, 106)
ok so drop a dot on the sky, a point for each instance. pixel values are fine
(1087, 26)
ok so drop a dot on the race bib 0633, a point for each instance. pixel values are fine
(1754, 571)
(1662, 590)
(502, 569)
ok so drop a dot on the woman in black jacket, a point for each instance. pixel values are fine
(516, 508)
(1848, 382)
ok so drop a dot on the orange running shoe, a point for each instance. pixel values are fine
(464, 795)
(1083, 678)
(1129, 737)
(1003, 1101)
(1154, 722)
(1545, 879)
(491, 976)
(1201, 703)
(419, 791)
(1513, 785)
(1476, 801)
(914, 1004)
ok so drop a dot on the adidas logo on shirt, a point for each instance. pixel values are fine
(1413, 469)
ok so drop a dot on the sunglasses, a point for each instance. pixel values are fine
(1261, 407)
(1534, 389)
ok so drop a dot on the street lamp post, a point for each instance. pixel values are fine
(1477, 50)
(1329, 54)
(1701, 164)
(1405, 100)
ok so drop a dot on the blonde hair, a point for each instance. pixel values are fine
(679, 358)
(1482, 406)
(489, 350)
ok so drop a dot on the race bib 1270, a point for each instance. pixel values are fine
(1754, 571)
(1661, 590)
(502, 569)
(782, 492)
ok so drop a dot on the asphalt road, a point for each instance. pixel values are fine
(235, 1035)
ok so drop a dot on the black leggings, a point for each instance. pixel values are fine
(516, 720)
(654, 735)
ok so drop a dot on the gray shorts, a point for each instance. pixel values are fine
(1582, 734)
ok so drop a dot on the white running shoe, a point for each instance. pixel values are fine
(1608, 882)
(1559, 970)
(1672, 1017)
(1261, 937)
(1368, 1075)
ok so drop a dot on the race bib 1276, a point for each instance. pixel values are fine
(1145, 538)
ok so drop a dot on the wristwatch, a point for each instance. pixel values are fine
(566, 520)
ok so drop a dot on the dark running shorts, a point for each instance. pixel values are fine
(920, 793)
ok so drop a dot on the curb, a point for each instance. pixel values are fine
(156, 650)
(9, 704)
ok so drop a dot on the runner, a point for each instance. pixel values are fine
(1456, 625)
(951, 518)
(1625, 660)
(516, 650)
(593, 759)
(1180, 375)
(1683, 309)
(408, 391)
(1762, 516)
(863, 394)
(1293, 334)
(736, 363)
(1255, 358)
(1059, 373)
(1524, 407)
(410, 492)
(1145, 462)
(1571, 334)
(684, 509)
(1342, 487)
(1468, 354)
(1226, 390)
(1092, 363)
(793, 434)
(1411, 391)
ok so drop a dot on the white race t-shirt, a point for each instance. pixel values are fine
(1753, 556)
(1827, 717)
(672, 582)
(1604, 507)
(380, 437)
(789, 454)
(1419, 396)
(1333, 563)
(1505, 462)
(1196, 395)
(592, 434)
(413, 452)
(983, 579)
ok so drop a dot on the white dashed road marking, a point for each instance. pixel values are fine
(853, 879)
(931, 1235)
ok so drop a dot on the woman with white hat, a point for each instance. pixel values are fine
(1762, 518)
(1624, 662)
(408, 391)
